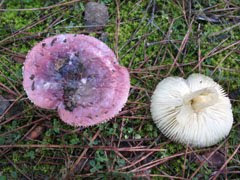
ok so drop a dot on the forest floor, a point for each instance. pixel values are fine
(154, 39)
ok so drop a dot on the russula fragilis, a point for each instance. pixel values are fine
(195, 111)
(79, 76)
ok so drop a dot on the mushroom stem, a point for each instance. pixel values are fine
(202, 98)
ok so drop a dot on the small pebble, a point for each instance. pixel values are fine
(96, 16)
(104, 37)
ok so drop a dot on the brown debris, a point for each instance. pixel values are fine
(214, 162)
(36, 132)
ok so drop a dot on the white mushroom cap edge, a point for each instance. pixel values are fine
(195, 111)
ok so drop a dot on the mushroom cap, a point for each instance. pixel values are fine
(79, 76)
(195, 111)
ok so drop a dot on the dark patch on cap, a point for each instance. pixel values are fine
(69, 91)
(33, 86)
(43, 44)
(65, 40)
(72, 71)
(32, 77)
(89, 116)
(53, 41)
(76, 54)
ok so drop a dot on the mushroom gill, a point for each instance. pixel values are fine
(195, 111)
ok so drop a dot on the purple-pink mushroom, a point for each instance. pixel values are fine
(79, 76)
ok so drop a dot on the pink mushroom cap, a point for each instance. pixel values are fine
(79, 76)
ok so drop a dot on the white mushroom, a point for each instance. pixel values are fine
(195, 111)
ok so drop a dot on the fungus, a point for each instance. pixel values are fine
(195, 111)
(79, 76)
